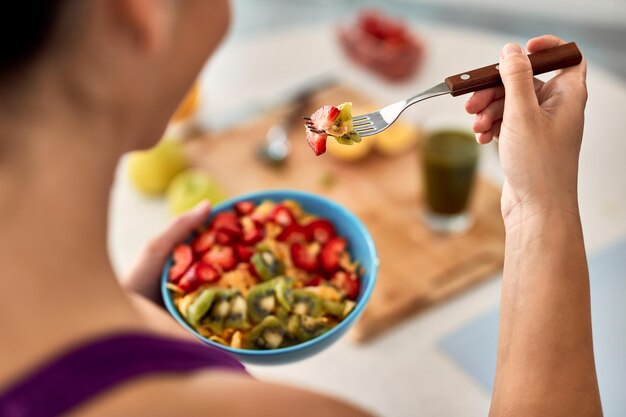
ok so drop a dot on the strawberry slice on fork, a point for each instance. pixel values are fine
(316, 140)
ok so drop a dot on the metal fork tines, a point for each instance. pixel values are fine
(375, 122)
(309, 125)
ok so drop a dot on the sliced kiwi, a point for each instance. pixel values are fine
(200, 306)
(303, 328)
(267, 265)
(338, 309)
(237, 315)
(283, 292)
(282, 315)
(220, 310)
(311, 327)
(268, 334)
(293, 324)
(326, 292)
(183, 303)
(261, 301)
(306, 303)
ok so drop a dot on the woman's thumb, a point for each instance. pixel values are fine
(179, 229)
(517, 77)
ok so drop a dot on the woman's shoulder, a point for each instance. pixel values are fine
(214, 393)
(209, 391)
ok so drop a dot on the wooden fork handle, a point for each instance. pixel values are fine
(547, 60)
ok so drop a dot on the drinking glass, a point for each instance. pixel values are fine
(449, 159)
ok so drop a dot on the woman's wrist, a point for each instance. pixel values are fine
(535, 220)
(518, 209)
(540, 216)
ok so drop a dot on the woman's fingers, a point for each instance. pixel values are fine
(495, 129)
(482, 98)
(484, 119)
(484, 138)
(178, 230)
(570, 82)
(541, 43)
(143, 276)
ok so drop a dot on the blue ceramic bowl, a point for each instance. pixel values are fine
(361, 248)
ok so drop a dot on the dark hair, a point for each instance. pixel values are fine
(25, 29)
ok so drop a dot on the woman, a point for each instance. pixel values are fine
(82, 82)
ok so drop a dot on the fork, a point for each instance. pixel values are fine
(559, 57)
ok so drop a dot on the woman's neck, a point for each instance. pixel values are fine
(57, 285)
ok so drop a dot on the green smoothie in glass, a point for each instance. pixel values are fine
(449, 159)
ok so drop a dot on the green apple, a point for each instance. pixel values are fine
(189, 188)
(151, 171)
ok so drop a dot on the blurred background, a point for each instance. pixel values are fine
(599, 26)
(437, 357)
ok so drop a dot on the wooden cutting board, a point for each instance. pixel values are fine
(418, 268)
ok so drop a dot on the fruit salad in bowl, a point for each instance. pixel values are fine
(330, 121)
(273, 276)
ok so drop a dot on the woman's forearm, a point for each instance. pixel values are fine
(545, 363)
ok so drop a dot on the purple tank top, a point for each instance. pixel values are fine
(86, 371)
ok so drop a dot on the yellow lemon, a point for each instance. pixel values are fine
(151, 171)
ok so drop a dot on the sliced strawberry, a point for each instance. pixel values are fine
(244, 253)
(253, 236)
(227, 228)
(321, 230)
(226, 237)
(331, 254)
(206, 273)
(189, 282)
(226, 221)
(262, 212)
(305, 256)
(348, 283)
(182, 259)
(294, 233)
(253, 231)
(315, 281)
(225, 218)
(282, 215)
(325, 117)
(221, 256)
(198, 274)
(317, 141)
(259, 217)
(244, 208)
(203, 241)
(233, 229)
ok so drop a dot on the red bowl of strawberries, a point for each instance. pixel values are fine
(273, 277)
(383, 45)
